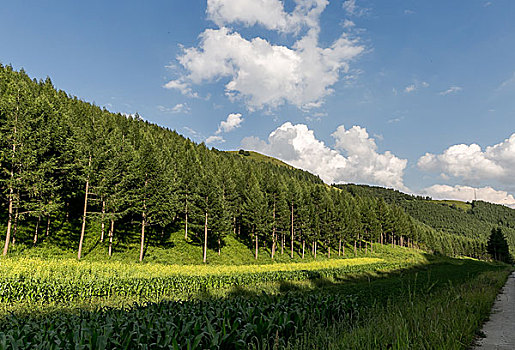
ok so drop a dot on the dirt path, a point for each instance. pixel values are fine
(500, 329)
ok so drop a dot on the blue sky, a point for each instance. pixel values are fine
(416, 95)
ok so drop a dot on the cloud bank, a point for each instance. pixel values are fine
(467, 193)
(473, 164)
(353, 159)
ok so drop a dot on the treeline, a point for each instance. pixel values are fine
(472, 227)
(114, 178)
(69, 161)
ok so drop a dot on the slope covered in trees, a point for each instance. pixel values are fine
(80, 178)
(476, 223)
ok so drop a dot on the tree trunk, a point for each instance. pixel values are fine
(186, 218)
(366, 248)
(273, 233)
(36, 232)
(257, 247)
(355, 249)
(329, 252)
(102, 223)
(282, 243)
(381, 238)
(360, 241)
(292, 230)
(143, 221)
(111, 234)
(84, 216)
(11, 190)
(219, 249)
(47, 226)
(343, 250)
(142, 244)
(393, 240)
(315, 250)
(339, 247)
(205, 240)
(303, 247)
(15, 224)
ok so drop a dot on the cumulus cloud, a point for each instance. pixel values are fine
(467, 193)
(472, 163)
(353, 159)
(267, 13)
(451, 90)
(262, 74)
(233, 121)
(178, 108)
(182, 86)
(214, 139)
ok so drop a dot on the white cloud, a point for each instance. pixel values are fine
(395, 120)
(268, 13)
(472, 163)
(178, 108)
(193, 132)
(424, 84)
(233, 121)
(354, 159)
(508, 82)
(214, 139)
(410, 88)
(264, 74)
(348, 24)
(409, 12)
(466, 193)
(353, 9)
(182, 86)
(451, 90)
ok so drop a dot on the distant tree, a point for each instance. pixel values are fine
(497, 246)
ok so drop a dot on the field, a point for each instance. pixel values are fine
(338, 303)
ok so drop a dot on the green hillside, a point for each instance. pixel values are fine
(260, 157)
(474, 220)
(78, 179)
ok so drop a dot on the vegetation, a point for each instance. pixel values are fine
(327, 310)
(121, 233)
(78, 177)
(454, 228)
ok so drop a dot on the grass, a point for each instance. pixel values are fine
(392, 298)
(262, 158)
(440, 307)
(432, 302)
(454, 203)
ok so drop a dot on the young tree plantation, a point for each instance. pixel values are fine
(68, 163)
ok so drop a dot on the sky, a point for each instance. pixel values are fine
(413, 95)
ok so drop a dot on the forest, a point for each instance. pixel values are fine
(73, 170)
(476, 222)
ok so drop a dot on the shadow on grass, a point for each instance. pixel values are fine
(248, 307)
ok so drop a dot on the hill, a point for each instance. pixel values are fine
(78, 179)
(474, 220)
(260, 157)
